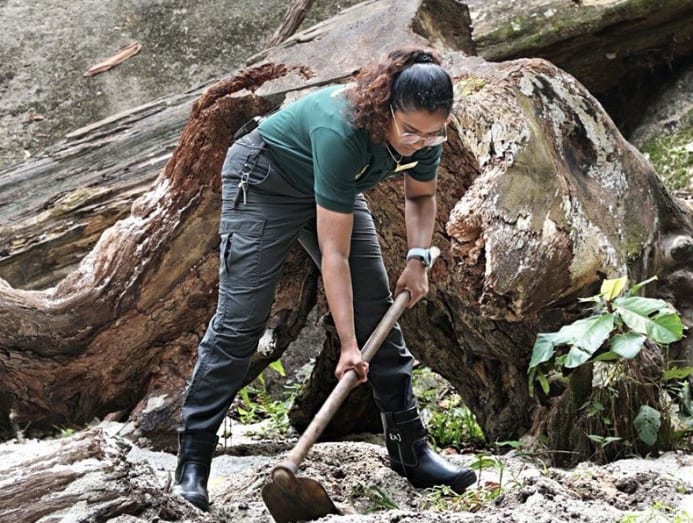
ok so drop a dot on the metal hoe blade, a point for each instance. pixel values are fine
(291, 499)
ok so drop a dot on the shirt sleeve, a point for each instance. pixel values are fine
(335, 161)
(428, 160)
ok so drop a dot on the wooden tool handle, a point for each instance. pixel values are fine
(348, 381)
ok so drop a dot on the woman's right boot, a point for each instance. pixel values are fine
(195, 450)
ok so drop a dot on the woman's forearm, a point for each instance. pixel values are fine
(337, 281)
(420, 215)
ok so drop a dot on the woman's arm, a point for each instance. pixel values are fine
(334, 238)
(420, 214)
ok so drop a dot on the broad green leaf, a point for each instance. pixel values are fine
(651, 317)
(642, 306)
(612, 288)
(668, 328)
(576, 357)
(647, 423)
(635, 288)
(587, 333)
(542, 350)
(627, 345)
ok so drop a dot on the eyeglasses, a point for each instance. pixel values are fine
(412, 138)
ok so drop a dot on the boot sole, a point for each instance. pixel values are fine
(198, 501)
(464, 480)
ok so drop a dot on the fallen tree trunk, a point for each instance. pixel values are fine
(603, 44)
(55, 208)
(81, 186)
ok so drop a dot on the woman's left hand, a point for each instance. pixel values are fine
(414, 279)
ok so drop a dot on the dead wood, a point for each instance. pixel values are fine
(294, 18)
(85, 477)
(603, 44)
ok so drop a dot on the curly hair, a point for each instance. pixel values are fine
(408, 79)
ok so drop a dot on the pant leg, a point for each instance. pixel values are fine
(257, 231)
(390, 369)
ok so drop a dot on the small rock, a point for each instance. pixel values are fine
(628, 485)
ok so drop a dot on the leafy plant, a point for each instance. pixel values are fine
(65, 432)
(379, 499)
(254, 403)
(617, 330)
(449, 422)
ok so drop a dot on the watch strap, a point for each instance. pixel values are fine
(423, 255)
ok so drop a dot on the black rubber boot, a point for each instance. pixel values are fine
(195, 450)
(411, 457)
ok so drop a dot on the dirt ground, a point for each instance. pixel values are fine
(512, 488)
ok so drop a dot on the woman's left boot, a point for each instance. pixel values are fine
(195, 451)
(411, 457)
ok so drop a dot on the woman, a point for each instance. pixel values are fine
(299, 176)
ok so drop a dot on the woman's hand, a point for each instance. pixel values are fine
(350, 358)
(414, 279)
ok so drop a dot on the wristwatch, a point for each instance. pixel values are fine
(423, 255)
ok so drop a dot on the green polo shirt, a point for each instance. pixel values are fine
(320, 152)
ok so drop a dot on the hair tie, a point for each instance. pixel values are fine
(423, 58)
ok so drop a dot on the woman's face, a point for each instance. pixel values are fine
(412, 130)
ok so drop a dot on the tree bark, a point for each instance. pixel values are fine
(86, 477)
(603, 44)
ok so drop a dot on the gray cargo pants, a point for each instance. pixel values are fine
(262, 216)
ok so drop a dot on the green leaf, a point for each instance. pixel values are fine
(603, 440)
(612, 288)
(651, 317)
(647, 423)
(668, 328)
(607, 356)
(542, 350)
(587, 333)
(676, 373)
(576, 357)
(544, 383)
(627, 345)
(277, 367)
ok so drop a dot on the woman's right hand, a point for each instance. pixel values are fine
(350, 358)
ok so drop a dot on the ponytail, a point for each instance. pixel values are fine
(408, 79)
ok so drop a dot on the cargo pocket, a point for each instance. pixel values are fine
(241, 250)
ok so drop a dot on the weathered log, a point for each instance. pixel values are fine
(85, 477)
(54, 208)
(602, 43)
(126, 322)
